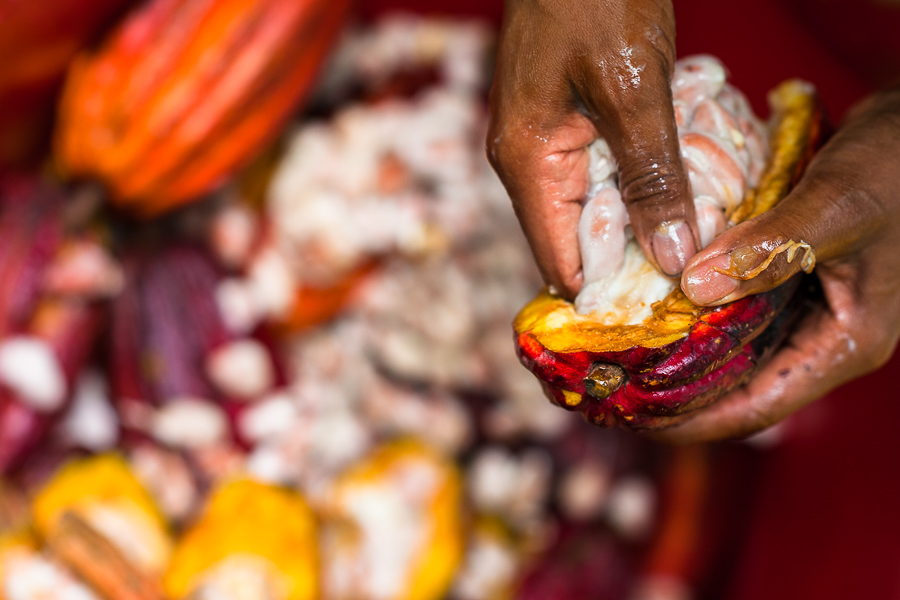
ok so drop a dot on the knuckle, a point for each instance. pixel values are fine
(495, 148)
(866, 353)
(651, 184)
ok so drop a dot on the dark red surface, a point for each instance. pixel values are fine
(170, 290)
(825, 523)
(762, 44)
(718, 354)
(31, 234)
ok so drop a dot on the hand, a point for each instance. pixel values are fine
(568, 73)
(847, 208)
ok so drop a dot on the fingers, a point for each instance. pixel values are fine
(655, 186)
(820, 356)
(537, 142)
(855, 333)
(825, 216)
(565, 76)
(637, 119)
(796, 375)
(544, 169)
(750, 258)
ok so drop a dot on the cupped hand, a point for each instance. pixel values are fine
(568, 73)
(847, 209)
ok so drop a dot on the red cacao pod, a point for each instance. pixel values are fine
(45, 337)
(178, 373)
(583, 563)
(683, 356)
(187, 91)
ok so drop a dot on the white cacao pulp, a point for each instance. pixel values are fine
(723, 147)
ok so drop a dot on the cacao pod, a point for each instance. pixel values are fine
(408, 541)
(187, 91)
(254, 537)
(178, 372)
(97, 519)
(46, 337)
(683, 356)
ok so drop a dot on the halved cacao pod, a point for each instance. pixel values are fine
(683, 356)
(394, 525)
(253, 541)
(97, 519)
(187, 91)
(27, 572)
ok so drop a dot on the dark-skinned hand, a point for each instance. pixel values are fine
(568, 73)
(847, 208)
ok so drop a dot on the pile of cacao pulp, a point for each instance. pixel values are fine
(253, 351)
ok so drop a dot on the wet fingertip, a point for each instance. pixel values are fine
(705, 284)
(673, 245)
(572, 287)
(566, 288)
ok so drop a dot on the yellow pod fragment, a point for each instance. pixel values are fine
(254, 541)
(104, 494)
(27, 573)
(395, 526)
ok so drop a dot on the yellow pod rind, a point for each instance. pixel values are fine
(105, 478)
(247, 518)
(441, 552)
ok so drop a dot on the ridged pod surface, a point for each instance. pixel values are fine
(72, 512)
(682, 357)
(170, 348)
(185, 92)
(56, 331)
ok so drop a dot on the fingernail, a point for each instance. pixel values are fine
(673, 245)
(704, 285)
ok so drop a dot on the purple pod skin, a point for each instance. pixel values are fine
(165, 326)
(32, 233)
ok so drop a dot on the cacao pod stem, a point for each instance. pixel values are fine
(604, 379)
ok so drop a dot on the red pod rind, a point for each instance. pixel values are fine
(682, 357)
(166, 328)
(56, 333)
(187, 91)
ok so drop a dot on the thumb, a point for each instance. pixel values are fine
(815, 221)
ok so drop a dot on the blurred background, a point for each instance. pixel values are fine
(257, 285)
